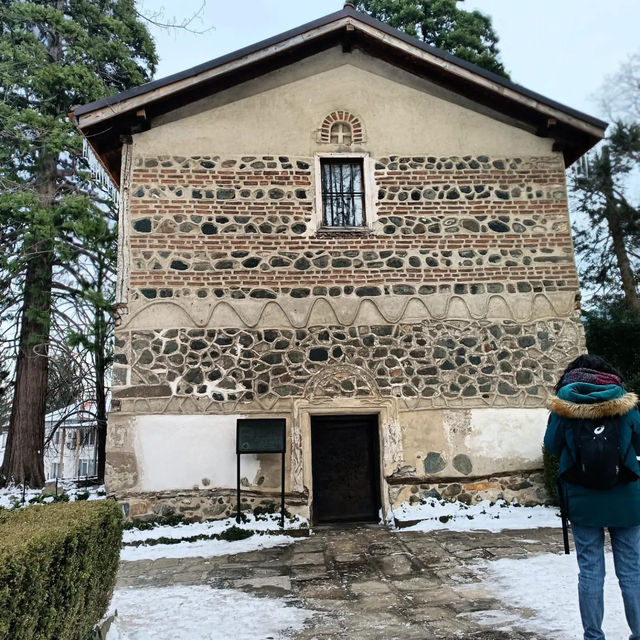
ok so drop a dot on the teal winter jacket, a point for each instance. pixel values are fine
(616, 507)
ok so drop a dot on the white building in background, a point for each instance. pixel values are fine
(71, 443)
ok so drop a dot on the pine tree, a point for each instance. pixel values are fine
(53, 54)
(607, 239)
(466, 34)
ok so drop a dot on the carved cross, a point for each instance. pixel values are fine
(341, 133)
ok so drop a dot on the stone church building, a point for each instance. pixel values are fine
(355, 232)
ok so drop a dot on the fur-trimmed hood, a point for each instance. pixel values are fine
(615, 407)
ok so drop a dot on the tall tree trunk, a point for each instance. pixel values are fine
(101, 420)
(23, 461)
(24, 455)
(624, 265)
(617, 236)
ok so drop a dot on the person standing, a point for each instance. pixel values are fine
(590, 407)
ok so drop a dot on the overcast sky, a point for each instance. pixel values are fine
(563, 49)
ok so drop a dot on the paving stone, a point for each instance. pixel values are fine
(507, 552)
(380, 602)
(348, 557)
(481, 604)
(372, 583)
(315, 558)
(307, 573)
(276, 585)
(433, 597)
(325, 589)
(428, 614)
(413, 584)
(371, 587)
(396, 565)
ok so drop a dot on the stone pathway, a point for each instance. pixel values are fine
(367, 582)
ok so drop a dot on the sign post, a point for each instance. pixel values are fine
(265, 435)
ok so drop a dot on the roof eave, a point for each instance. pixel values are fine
(587, 129)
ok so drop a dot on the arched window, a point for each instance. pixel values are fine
(341, 127)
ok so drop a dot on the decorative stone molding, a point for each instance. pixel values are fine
(342, 128)
(124, 217)
(341, 380)
(372, 305)
(391, 446)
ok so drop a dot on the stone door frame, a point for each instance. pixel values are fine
(389, 435)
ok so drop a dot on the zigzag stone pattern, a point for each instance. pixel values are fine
(441, 363)
(347, 310)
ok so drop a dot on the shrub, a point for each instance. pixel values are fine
(58, 566)
(551, 465)
(151, 523)
(235, 533)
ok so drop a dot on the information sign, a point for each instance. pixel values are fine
(261, 436)
(267, 435)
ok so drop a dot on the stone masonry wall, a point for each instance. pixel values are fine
(240, 228)
(438, 364)
(459, 293)
(206, 230)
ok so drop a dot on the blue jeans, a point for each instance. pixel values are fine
(625, 543)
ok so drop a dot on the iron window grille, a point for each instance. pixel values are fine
(342, 193)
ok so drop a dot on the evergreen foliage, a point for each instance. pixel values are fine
(613, 333)
(54, 54)
(58, 566)
(466, 34)
(64, 382)
(607, 235)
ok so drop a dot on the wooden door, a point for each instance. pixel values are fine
(346, 465)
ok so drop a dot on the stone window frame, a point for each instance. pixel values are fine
(368, 179)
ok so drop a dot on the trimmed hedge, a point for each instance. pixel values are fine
(58, 566)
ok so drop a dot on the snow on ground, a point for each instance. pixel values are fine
(11, 497)
(548, 585)
(267, 522)
(201, 613)
(486, 516)
(203, 548)
(266, 527)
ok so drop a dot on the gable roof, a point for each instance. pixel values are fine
(106, 121)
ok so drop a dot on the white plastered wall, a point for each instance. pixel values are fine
(513, 436)
(179, 452)
(496, 440)
(280, 112)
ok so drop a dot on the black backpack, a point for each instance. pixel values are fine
(598, 460)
